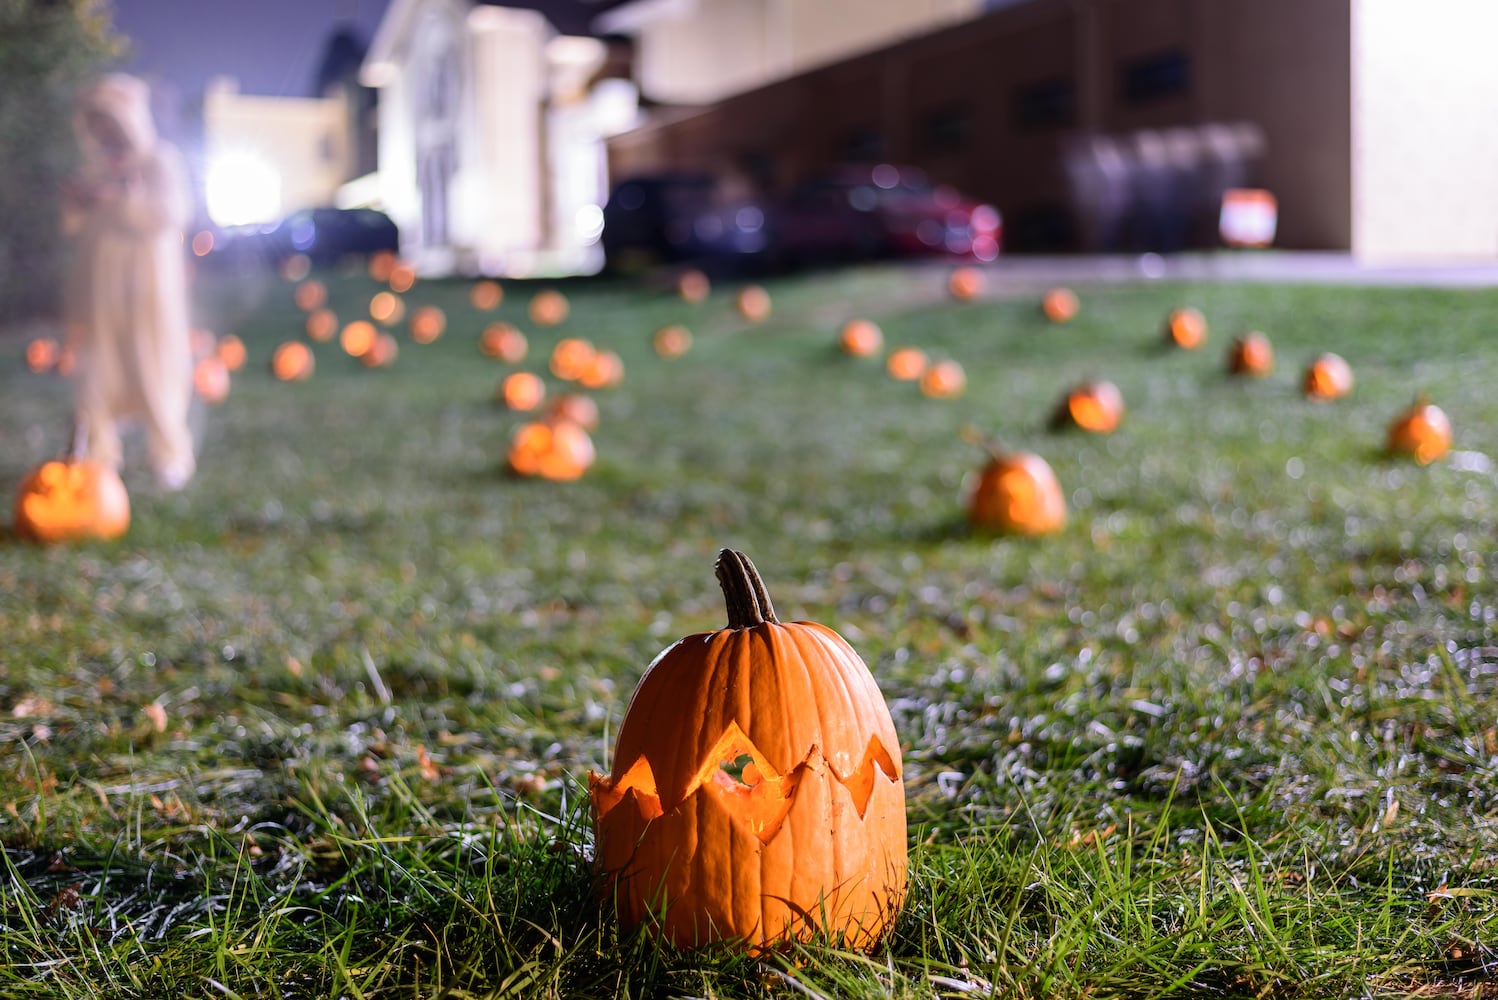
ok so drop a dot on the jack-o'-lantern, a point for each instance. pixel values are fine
(1095, 406)
(549, 307)
(551, 449)
(672, 341)
(756, 794)
(503, 342)
(1060, 305)
(322, 324)
(427, 324)
(605, 371)
(860, 338)
(72, 499)
(907, 363)
(1328, 377)
(357, 338)
(310, 295)
(571, 357)
(1186, 328)
(581, 410)
(944, 380)
(1016, 494)
(292, 362)
(522, 391)
(231, 352)
(386, 308)
(402, 278)
(692, 285)
(965, 283)
(1422, 432)
(210, 379)
(383, 351)
(753, 303)
(1251, 354)
(42, 354)
(381, 264)
(485, 295)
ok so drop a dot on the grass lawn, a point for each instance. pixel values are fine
(320, 725)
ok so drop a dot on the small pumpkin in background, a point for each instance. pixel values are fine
(210, 379)
(358, 338)
(692, 285)
(551, 449)
(1327, 377)
(944, 380)
(321, 324)
(402, 277)
(383, 351)
(753, 303)
(522, 391)
(485, 295)
(1186, 328)
(549, 307)
(1060, 305)
(571, 357)
(907, 363)
(756, 794)
(72, 499)
(860, 338)
(965, 283)
(1096, 406)
(1016, 493)
(295, 267)
(427, 324)
(605, 371)
(42, 354)
(581, 410)
(292, 362)
(672, 341)
(231, 352)
(386, 308)
(310, 294)
(1422, 432)
(504, 342)
(1251, 354)
(381, 264)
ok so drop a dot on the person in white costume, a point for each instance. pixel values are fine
(126, 297)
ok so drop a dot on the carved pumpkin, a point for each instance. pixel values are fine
(581, 410)
(907, 363)
(1091, 406)
(549, 307)
(605, 371)
(210, 379)
(672, 341)
(386, 308)
(1422, 432)
(292, 362)
(322, 324)
(358, 337)
(571, 357)
(310, 294)
(1328, 377)
(692, 285)
(485, 295)
(551, 449)
(231, 352)
(1251, 354)
(71, 499)
(42, 354)
(1060, 305)
(756, 793)
(753, 303)
(382, 352)
(965, 283)
(504, 342)
(944, 380)
(427, 324)
(1017, 494)
(860, 338)
(1186, 328)
(402, 278)
(381, 264)
(522, 391)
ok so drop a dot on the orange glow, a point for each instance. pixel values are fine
(1060, 305)
(381, 264)
(907, 363)
(860, 338)
(944, 380)
(292, 362)
(71, 500)
(386, 308)
(753, 303)
(67, 360)
(485, 295)
(381, 353)
(549, 307)
(231, 352)
(571, 357)
(1328, 377)
(310, 295)
(210, 378)
(503, 341)
(201, 342)
(1251, 354)
(672, 341)
(557, 449)
(581, 410)
(603, 372)
(1092, 406)
(322, 324)
(42, 354)
(1017, 494)
(358, 338)
(1423, 432)
(522, 391)
(296, 267)
(427, 324)
(402, 278)
(692, 285)
(1186, 328)
(202, 243)
(965, 283)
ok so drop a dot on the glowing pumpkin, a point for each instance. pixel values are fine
(381, 264)
(605, 371)
(357, 338)
(296, 267)
(42, 354)
(1017, 494)
(386, 308)
(382, 352)
(72, 499)
(321, 324)
(965, 283)
(756, 794)
(522, 391)
(692, 285)
(1251, 354)
(1422, 432)
(672, 341)
(551, 449)
(1091, 406)
(860, 338)
(402, 278)
(1060, 305)
(549, 307)
(231, 352)
(1186, 328)
(427, 324)
(485, 295)
(571, 357)
(907, 363)
(753, 303)
(310, 294)
(210, 379)
(581, 410)
(944, 380)
(504, 342)
(292, 362)
(1328, 377)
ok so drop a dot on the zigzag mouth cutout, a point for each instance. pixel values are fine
(737, 773)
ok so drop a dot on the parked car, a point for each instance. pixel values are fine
(650, 220)
(324, 235)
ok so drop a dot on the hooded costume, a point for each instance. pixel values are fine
(127, 292)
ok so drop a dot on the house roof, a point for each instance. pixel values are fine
(569, 17)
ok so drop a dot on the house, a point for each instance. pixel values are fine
(492, 119)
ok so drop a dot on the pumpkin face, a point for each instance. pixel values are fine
(427, 324)
(322, 324)
(753, 303)
(504, 342)
(210, 379)
(1422, 432)
(231, 352)
(71, 500)
(907, 363)
(1328, 377)
(1251, 354)
(548, 308)
(672, 341)
(944, 380)
(1060, 305)
(757, 792)
(310, 294)
(692, 285)
(522, 391)
(551, 449)
(1017, 495)
(581, 410)
(1091, 406)
(571, 358)
(382, 352)
(292, 362)
(485, 295)
(965, 283)
(860, 338)
(41, 354)
(1186, 328)
(358, 337)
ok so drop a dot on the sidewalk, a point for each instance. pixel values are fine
(1273, 266)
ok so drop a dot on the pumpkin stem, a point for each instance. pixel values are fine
(743, 591)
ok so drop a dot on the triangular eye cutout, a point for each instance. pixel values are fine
(639, 779)
(746, 784)
(860, 784)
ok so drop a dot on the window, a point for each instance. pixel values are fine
(947, 129)
(1164, 74)
(1046, 104)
